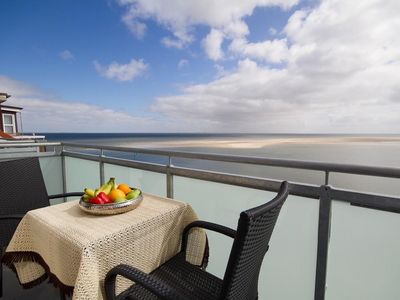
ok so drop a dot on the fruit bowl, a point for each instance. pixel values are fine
(110, 208)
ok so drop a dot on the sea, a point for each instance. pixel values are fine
(380, 150)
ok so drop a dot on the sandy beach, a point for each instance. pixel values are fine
(261, 142)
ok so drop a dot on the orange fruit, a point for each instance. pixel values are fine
(116, 194)
(125, 188)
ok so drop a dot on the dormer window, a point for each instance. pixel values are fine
(9, 123)
(9, 117)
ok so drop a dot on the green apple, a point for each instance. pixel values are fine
(133, 194)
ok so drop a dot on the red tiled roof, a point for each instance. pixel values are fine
(5, 135)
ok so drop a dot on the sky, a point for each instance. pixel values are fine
(262, 66)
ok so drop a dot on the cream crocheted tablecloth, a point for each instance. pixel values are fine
(76, 249)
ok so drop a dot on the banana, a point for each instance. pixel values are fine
(115, 185)
(86, 197)
(110, 186)
(103, 187)
(89, 192)
(107, 187)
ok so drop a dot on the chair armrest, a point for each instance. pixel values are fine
(206, 225)
(66, 195)
(155, 285)
(15, 216)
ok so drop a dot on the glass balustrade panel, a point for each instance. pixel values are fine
(290, 174)
(288, 269)
(149, 182)
(81, 173)
(363, 260)
(366, 184)
(52, 175)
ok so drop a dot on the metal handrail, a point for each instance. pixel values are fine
(22, 144)
(285, 163)
(261, 161)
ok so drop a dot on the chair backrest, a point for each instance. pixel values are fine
(22, 189)
(254, 231)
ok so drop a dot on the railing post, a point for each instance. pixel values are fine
(64, 173)
(324, 229)
(326, 177)
(170, 179)
(101, 164)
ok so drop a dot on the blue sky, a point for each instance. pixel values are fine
(61, 53)
(37, 32)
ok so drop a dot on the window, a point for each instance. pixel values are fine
(9, 123)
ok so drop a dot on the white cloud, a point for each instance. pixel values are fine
(221, 72)
(122, 72)
(43, 112)
(342, 62)
(66, 55)
(274, 51)
(272, 31)
(173, 43)
(212, 44)
(179, 17)
(138, 29)
(236, 29)
(183, 63)
(180, 40)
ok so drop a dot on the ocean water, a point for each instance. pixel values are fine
(371, 150)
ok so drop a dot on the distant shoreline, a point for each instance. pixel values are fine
(232, 141)
(257, 143)
(254, 143)
(377, 150)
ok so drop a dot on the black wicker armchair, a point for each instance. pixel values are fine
(22, 188)
(178, 279)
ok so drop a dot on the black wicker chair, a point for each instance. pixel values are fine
(178, 279)
(22, 189)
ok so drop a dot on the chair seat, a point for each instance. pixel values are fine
(187, 279)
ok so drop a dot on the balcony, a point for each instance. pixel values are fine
(330, 242)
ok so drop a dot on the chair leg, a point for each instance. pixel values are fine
(1, 280)
(1, 273)
(62, 295)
